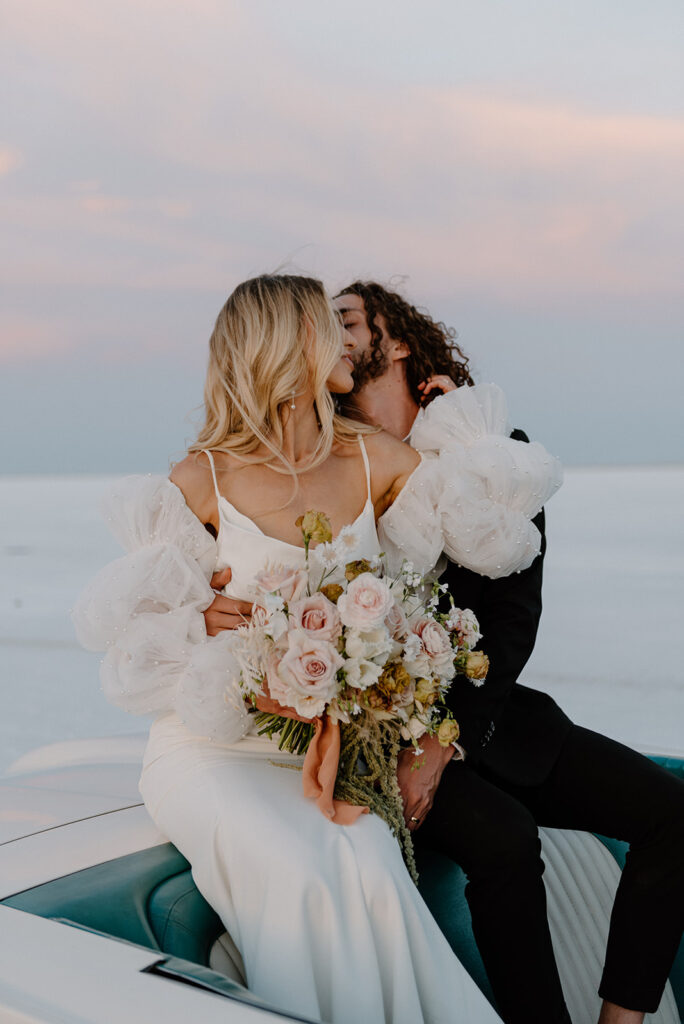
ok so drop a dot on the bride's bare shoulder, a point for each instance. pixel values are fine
(381, 445)
(392, 462)
(192, 476)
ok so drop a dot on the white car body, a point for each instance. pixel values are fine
(75, 807)
(63, 809)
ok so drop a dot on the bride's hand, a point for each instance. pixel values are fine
(272, 707)
(225, 612)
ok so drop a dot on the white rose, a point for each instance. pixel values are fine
(373, 644)
(361, 673)
(366, 604)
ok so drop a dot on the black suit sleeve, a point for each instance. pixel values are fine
(508, 610)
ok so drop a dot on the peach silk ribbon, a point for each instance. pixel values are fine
(320, 771)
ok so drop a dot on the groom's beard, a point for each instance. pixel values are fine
(368, 366)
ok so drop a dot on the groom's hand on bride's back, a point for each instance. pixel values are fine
(225, 612)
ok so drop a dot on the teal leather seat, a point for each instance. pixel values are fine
(442, 886)
(112, 897)
(183, 923)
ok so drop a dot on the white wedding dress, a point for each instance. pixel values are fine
(326, 917)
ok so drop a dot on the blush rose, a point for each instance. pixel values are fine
(316, 616)
(436, 644)
(305, 678)
(288, 581)
(366, 604)
(396, 622)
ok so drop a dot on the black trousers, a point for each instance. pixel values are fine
(489, 827)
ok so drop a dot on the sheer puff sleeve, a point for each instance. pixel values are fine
(475, 491)
(145, 611)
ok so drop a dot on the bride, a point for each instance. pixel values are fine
(325, 916)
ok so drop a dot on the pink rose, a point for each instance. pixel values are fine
(366, 604)
(278, 688)
(396, 622)
(305, 678)
(436, 644)
(463, 623)
(288, 581)
(316, 616)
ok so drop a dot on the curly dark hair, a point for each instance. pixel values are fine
(432, 345)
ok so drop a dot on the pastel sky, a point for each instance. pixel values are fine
(516, 168)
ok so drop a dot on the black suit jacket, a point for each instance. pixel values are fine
(506, 728)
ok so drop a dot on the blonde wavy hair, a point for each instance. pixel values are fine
(258, 358)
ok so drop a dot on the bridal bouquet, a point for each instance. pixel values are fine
(368, 650)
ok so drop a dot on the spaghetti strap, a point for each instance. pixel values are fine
(366, 463)
(213, 470)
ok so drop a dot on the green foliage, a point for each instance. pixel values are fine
(367, 776)
(294, 736)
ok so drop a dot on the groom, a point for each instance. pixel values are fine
(522, 762)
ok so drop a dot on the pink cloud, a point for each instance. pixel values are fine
(549, 134)
(10, 159)
(530, 200)
(27, 338)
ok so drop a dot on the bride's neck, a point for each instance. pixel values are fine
(301, 429)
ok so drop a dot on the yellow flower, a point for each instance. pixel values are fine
(476, 665)
(332, 591)
(426, 691)
(315, 527)
(356, 568)
(393, 679)
(448, 731)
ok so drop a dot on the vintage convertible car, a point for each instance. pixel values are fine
(100, 920)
